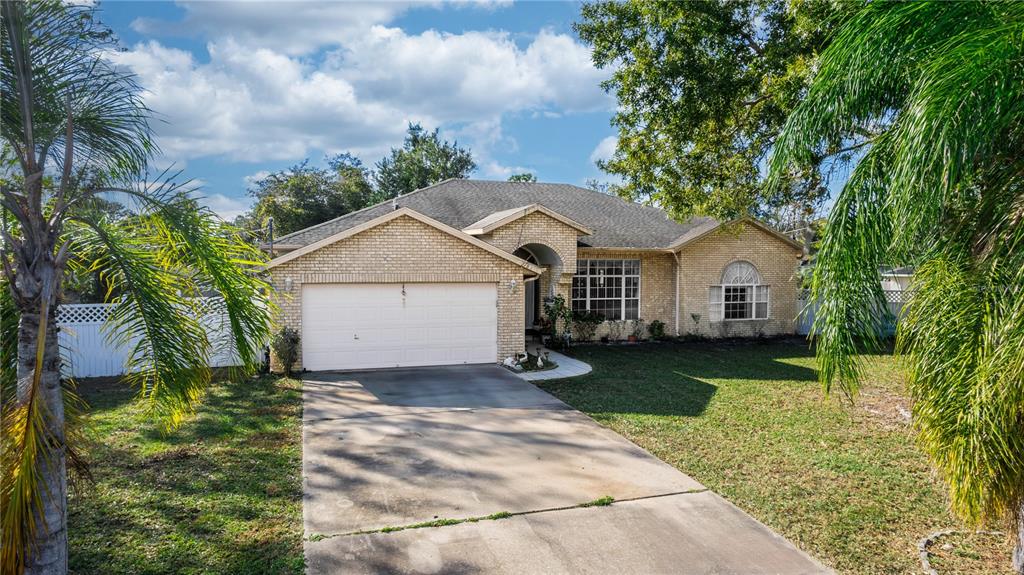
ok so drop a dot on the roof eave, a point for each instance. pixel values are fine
(285, 258)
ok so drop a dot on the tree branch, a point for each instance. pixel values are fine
(752, 44)
(14, 22)
(69, 153)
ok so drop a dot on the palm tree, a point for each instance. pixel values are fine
(935, 91)
(76, 128)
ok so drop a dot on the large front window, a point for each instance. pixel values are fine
(741, 295)
(608, 287)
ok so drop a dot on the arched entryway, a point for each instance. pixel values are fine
(541, 287)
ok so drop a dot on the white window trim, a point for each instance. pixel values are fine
(754, 288)
(622, 299)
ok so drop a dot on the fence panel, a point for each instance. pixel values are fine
(895, 299)
(86, 349)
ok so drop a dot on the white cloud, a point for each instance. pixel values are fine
(605, 149)
(291, 27)
(226, 207)
(262, 97)
(494, 169)
(251, 179)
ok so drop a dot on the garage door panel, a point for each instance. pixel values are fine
(355, 326)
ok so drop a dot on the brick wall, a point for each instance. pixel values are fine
(540, 228)
(405, 250)
(701, 266)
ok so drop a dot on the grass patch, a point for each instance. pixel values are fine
(221, 494)
(599, 502)
(749, 421)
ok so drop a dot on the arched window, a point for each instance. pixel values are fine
(741, 294)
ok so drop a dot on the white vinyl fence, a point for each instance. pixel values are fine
(805, 320)
(87, 349)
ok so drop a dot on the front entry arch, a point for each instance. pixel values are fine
(542, 287)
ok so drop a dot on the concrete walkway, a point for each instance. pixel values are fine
(396, 448)
(567, 366)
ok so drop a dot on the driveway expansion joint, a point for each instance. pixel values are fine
(497, 516)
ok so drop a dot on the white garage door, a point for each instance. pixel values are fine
(356, 326)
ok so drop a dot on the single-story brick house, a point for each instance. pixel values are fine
(457, 272)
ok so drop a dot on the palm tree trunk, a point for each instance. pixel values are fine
(1018, 552)
(48, 554)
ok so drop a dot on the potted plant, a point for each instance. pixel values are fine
(637, 330)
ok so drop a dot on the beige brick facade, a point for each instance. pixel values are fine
(406, 249)
(540, 228)
(701, 266)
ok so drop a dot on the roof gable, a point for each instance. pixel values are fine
(498, 219)
(708, 227)
(401, 212)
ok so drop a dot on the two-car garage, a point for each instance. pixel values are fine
(401, 290)
(359, 326)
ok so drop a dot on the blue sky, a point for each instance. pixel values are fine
(244, 88)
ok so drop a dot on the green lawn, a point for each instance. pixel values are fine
(221, 494)
(748, 420)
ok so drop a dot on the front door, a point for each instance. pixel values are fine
(531, 304)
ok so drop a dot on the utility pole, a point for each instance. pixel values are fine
(270, 235)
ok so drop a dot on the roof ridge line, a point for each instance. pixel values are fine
(332, 220)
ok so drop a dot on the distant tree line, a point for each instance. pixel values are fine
(305, 195)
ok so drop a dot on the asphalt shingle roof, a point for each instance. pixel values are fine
(459, 203)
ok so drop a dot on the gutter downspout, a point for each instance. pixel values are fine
(676, 255)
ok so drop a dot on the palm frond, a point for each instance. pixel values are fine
(940, 188)
(25, 442)
(70, 76)
(154, 316)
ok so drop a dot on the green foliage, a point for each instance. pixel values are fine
(585, 324)
(703, 90)
(657, 329)
(637, 328)
(304, 195)
(526, 177)
(939, 188)
(69, 110)
(8, 343)
(556, 310)
(285, 345)
(616, 329)
(599, 502)
(423, 159)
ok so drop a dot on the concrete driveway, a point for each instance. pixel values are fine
(387, 449)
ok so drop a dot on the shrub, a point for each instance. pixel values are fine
(556, 309)
(285, 344)
(637, 329)
(657, 329)
(584, 324)
(615, 330)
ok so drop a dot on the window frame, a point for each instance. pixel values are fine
(587, 278)
(756, 291)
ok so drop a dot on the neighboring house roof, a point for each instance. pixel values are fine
(498, 219)
(905, 271)
(614, 222)
(391, 215)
